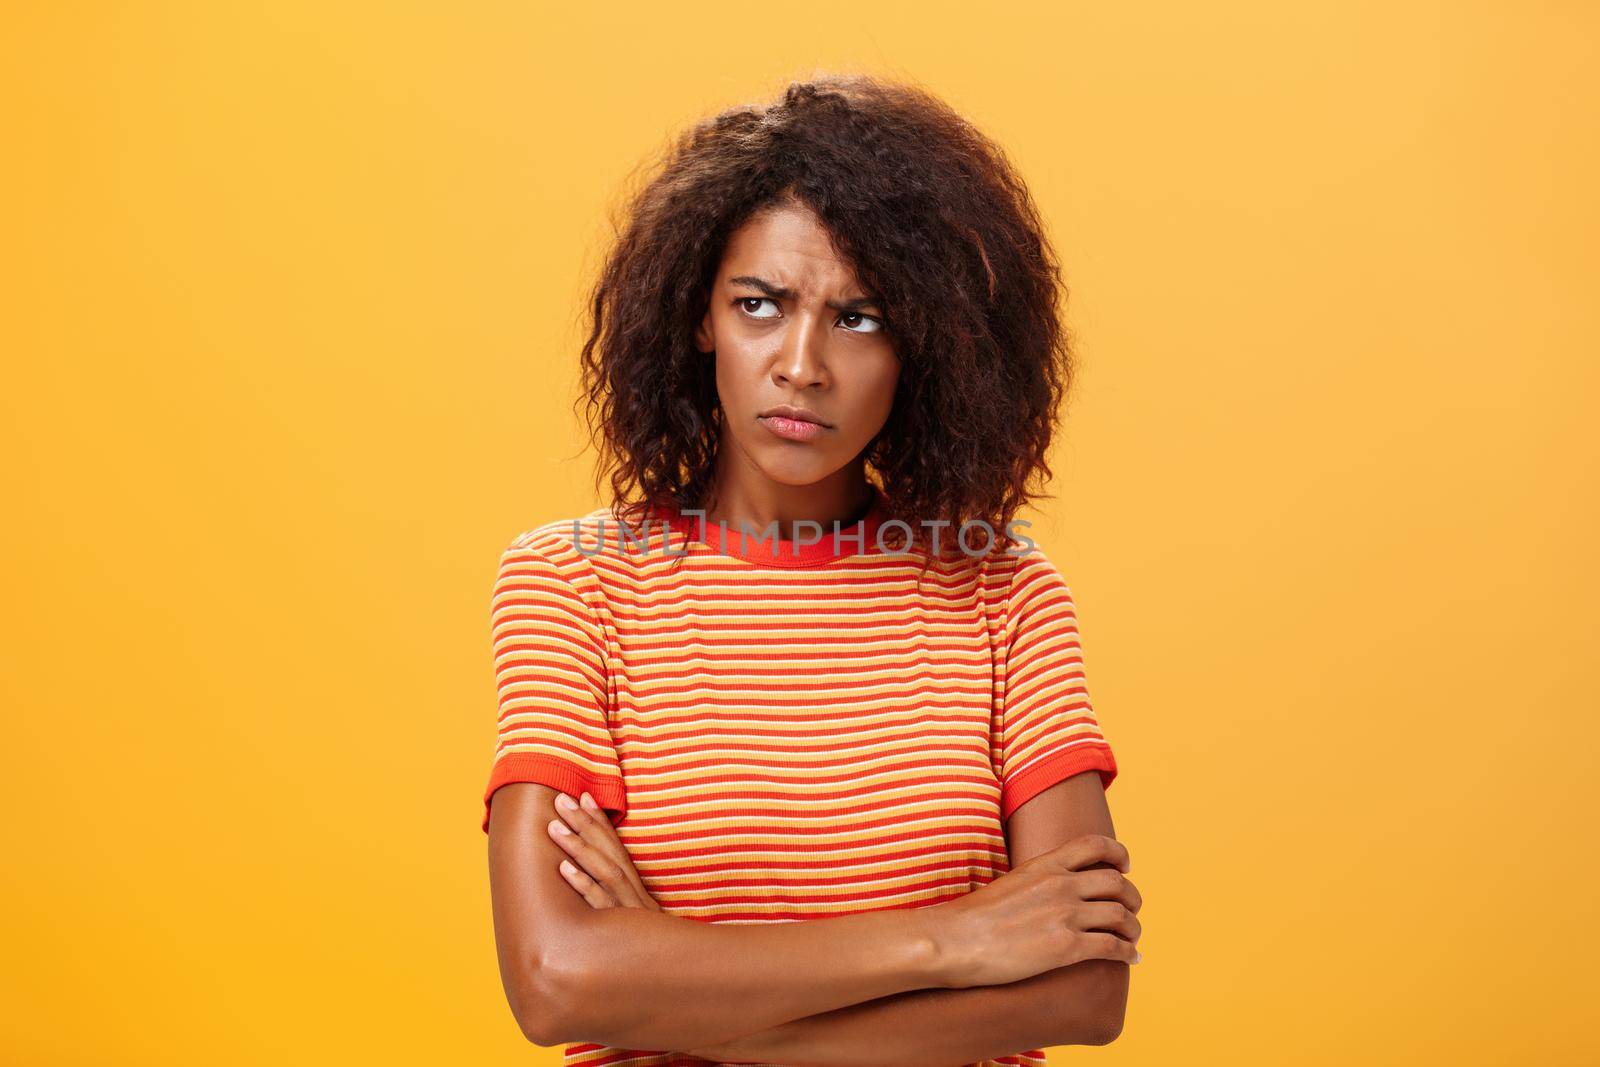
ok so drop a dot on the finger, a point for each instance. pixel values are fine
(1101, 946)
(1111, 917)
(578, 816)
(1080, 852)
(614, 847)
(587, 887)
(590, 823)
(594, 863)
(1106, 884)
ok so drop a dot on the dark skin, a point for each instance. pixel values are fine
(1038, 957)
(821, 345)
(928, 1026)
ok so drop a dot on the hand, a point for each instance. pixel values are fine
(597, 864)
(600, 869)
(1055, 910)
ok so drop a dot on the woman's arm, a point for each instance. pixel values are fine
(946, 1026)
(1078, 1005)
(572, 973)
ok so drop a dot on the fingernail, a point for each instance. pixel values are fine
(565, 803)
(559, 827)
(567, 867)
(588, 802)
(1137, 956)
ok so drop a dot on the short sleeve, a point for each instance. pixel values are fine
(551, 676)
(1045, 729)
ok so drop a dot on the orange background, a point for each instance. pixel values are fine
(290, 337)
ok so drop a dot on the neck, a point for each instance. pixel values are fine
(842, 498)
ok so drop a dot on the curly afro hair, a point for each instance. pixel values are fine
(931, 215)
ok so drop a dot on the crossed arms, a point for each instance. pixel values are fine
(879, 988)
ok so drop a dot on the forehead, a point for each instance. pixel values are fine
(788, 246)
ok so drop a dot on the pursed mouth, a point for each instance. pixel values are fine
(792, 429)
(795, 416)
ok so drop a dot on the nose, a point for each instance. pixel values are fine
(799, 362)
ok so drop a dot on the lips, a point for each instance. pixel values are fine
(793, 414)
(792, 429)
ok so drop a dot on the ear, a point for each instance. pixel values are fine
(704, 336)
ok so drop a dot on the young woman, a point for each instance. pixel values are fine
(795, 759)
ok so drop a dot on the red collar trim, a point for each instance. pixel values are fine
(837, 540)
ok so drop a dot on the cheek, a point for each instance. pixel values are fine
(871, 391)
(738, 378)
(743, 379)
(877, 387)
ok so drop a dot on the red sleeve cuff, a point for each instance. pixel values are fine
(1083, 756)
(557, 773)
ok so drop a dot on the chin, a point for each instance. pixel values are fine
(793, 475)
(799, 467)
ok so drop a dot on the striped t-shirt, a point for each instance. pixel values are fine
(788, 730)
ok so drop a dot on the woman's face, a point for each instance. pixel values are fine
(790, 325)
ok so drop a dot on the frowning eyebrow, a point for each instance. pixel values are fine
(780, 293)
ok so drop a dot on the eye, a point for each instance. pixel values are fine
(876, 323)
(758, 300)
